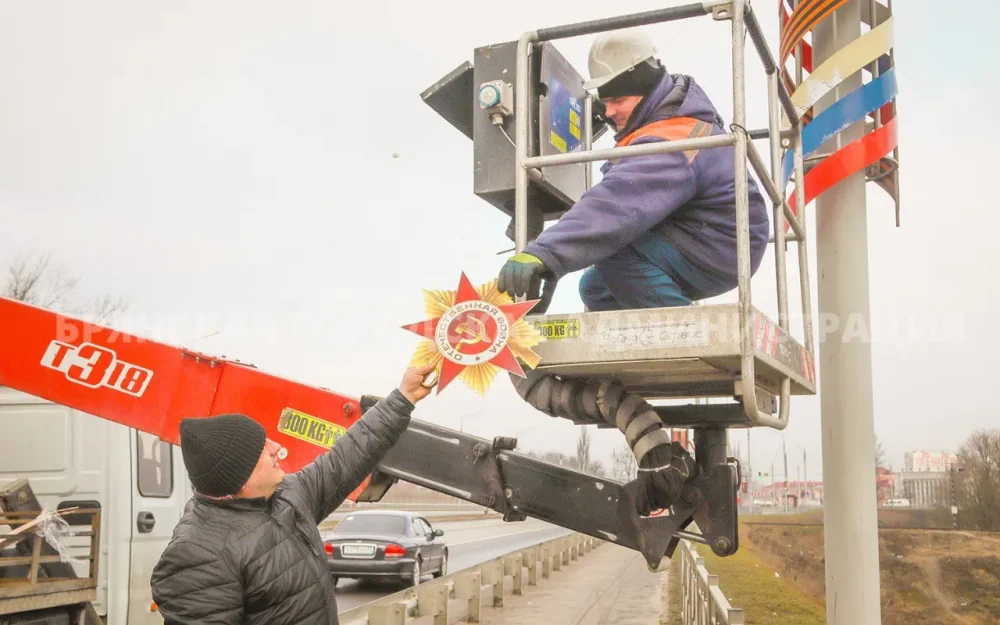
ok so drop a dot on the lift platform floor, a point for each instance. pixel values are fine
(672, 353)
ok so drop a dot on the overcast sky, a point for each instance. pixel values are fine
(229, 168)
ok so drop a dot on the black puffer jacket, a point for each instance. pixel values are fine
(262, 561)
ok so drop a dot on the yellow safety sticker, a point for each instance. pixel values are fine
(557, 141)
(559, 329)
(574, 124)
(309, 428)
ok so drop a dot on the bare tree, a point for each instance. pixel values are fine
(979, 488)
(552, 457)
(593, 466)
(624, 466)
(596, 468)
(104, 309)
(583, 449)
(32, 278)
(879, 453)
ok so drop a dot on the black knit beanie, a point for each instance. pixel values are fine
(221, 452)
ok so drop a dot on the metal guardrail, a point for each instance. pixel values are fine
(461, 596)
(702, 600)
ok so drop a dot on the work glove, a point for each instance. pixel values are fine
(519, 274)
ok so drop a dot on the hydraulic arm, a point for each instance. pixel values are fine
(151, 386)
(493, 475)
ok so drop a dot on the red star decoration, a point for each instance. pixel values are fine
(504, 358)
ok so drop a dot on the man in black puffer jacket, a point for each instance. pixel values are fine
(248, 549)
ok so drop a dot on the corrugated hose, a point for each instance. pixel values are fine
(664, 465)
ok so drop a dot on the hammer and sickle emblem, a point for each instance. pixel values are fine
(473, 336)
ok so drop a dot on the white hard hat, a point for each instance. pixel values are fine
(616, 52)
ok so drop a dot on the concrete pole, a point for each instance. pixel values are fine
(849, 510)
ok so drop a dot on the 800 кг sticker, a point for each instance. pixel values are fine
(309, 428)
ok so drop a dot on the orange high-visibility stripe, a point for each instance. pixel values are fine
(670, 130)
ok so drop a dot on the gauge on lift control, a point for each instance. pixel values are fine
(489, 96)
(496, 97)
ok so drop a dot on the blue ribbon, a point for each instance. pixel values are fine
(848, 110)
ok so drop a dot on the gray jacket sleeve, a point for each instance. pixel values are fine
(326, 482)
(194, 584)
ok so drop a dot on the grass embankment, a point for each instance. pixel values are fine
(749, 583)
(673, 615)
(767, 598)
(927, 577)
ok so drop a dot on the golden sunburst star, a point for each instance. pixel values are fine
(473, 333)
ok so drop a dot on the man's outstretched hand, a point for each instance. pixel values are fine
(412, 387)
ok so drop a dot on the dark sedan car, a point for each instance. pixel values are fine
(386, 544)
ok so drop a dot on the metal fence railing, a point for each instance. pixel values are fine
(702, 600)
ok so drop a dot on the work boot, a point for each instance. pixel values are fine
(660, 485)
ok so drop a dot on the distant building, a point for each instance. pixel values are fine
(885, 484)
(928, 461)
(924, 489)
(798, 494)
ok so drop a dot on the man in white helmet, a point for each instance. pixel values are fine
(657, 230)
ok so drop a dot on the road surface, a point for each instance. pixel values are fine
(469, 543)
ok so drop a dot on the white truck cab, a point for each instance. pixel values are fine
(138, 481)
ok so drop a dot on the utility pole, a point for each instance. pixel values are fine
(805, 472)
(784, 452)
(845, 367)
(749, 472)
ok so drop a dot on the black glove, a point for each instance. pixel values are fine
(519, 274)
